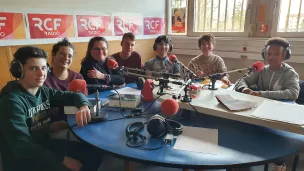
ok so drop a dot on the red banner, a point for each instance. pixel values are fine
(12, 26)
(124, 24)
(90, 25)
(51, 25)
(154, 25)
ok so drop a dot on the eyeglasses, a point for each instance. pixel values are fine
(100, 49)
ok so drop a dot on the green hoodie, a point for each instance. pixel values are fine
(24, 122)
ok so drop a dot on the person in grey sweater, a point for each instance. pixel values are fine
(277, 80)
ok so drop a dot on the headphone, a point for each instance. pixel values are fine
(17, 71)
(140, 82)
(157, 127)
(287, 52)
(161, 38)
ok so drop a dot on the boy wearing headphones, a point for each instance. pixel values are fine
(128, 57)
(277, 80)
(161, 63)
(25, 120)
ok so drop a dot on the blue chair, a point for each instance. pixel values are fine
(300, 99)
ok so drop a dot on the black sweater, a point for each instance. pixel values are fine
(114, 76)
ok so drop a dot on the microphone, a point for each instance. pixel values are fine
(78, 85)
(169, 107)
(99, 87)
(111, 63)
(173, 59)
(257, 66)
(98, 116)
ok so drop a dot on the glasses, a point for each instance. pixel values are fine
(100, 49)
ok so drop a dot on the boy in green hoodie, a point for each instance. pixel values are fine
(277, 80)
(24, 120)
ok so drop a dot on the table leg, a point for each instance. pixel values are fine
(128, 166)
(266, 167)
(295, 163)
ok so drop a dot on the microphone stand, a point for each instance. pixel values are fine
(186, 97)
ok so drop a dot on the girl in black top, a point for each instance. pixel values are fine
(94, 68)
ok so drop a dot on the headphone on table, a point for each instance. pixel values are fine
(157, 127)
(160, 38)
(17, 71)
(287, 52)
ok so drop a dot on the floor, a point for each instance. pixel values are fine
(114, 164)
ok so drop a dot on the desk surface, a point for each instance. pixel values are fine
(206, 103)
(240, 144)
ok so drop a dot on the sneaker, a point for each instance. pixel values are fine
(278, 167)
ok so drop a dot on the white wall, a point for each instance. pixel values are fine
(130, 6)
(145, 8)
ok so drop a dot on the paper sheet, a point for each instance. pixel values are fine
(128, 90)
(272, 110)
(200, 140)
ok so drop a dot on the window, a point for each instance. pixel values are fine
(291, 18)
(219, 15)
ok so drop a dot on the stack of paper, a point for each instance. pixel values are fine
(288, 113)
(200, 140)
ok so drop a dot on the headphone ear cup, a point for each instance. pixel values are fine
(264, 53)
(287, 53)
(154, 47)
(171, 48)
(16, 69)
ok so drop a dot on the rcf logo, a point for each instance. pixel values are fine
(2, 24)
(123, 24)
(92, 25)
(48, 25)
(152, 25)
(126, 27)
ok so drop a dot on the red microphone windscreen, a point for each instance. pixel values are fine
(112, 64)
(258, 66)
(78, 85)
(172, 58)
(169, 107)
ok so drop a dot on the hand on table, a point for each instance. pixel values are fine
(83, 116)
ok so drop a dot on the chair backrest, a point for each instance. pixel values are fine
(300, 99)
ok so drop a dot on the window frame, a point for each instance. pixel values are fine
(275, 23)
(190, 22)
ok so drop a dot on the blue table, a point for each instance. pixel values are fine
(245, 145)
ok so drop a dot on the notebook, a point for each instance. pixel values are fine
(235, 104)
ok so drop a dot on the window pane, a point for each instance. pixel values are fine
(220, 15)
(291, 18)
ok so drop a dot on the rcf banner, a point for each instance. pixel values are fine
(50, 26)
(154, 25)
(124, 24)
(90, 25)
(12, 26)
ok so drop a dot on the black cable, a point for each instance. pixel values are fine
(193, 108)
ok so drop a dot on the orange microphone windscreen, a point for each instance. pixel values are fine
(169, 107)
(112, 64)
(78, 85)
